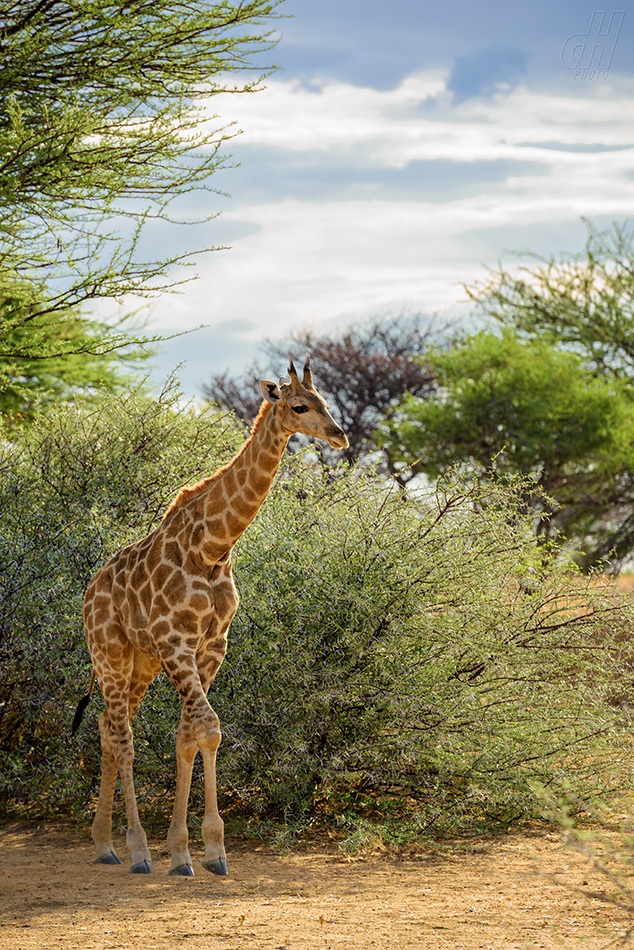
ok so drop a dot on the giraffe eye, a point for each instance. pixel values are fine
(300, 409)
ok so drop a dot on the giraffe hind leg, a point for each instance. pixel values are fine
(134, 674)
(102, 824)
(144, 672)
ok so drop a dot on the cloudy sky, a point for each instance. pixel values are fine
(398, 150)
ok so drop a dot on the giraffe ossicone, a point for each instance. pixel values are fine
(166, 603)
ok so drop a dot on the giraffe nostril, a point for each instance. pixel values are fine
(337, 438)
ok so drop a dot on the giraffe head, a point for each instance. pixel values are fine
(300, 408)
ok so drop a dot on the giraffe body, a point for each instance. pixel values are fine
(166, 603)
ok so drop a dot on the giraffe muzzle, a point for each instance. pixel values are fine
(337, 439)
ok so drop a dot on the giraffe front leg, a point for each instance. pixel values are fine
(215, 859)
(178, 836)
(200, 729)
(209, 659)
(204, 735)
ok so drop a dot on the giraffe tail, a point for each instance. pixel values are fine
(83, 702)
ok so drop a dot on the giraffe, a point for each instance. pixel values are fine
(166, 603)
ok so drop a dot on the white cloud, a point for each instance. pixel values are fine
(307, 261)
(418, 121)
(319, 118)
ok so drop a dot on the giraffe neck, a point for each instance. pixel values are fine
(237, 494)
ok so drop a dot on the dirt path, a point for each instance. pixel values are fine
(52, 896)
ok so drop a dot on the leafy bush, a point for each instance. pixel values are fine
(77, 486)
(417, 657)
(423, 657)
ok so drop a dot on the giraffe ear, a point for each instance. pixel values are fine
(270, 391)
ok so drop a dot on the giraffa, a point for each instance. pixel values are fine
(166, 602)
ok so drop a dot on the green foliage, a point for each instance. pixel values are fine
(106, 122)
(415, 658)
(407, 656)
(47, 357)
(509, 405)
(583, 301)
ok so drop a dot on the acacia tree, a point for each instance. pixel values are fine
(48, 357)
(549, 392)
(363, 372)
(584, 302)
(506, 405)
(105, 123)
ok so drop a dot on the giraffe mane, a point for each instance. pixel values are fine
(192, 491)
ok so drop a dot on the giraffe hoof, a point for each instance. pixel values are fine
(143, 867)
(216, 867)
(183, 870)
(109, 858)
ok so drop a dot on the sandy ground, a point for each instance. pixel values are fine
(512, 892)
